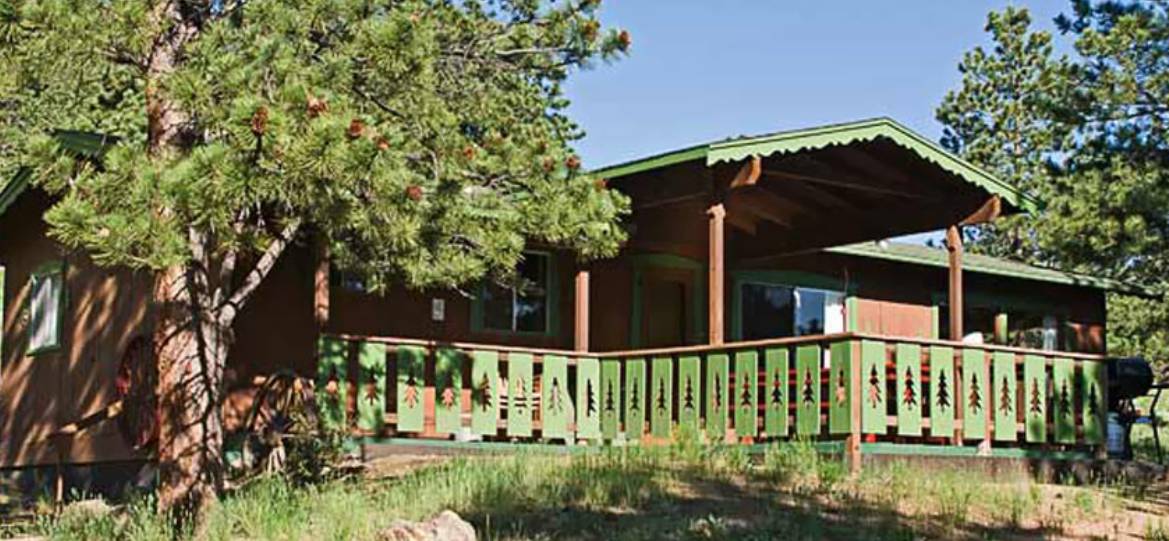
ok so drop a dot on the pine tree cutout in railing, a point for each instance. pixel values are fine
(484, 392)
(874, 388)
(590, 399)
(807, 392)
(448, 394)
(634, 400)
(777, 390)
(520, 397)
(688, 395)
(718, 392)
(975, 397)
(1064, 402)
(909, 396)
(610, 404)
(745, 395)
(370, 394)
(556, 401)
(1005, 402)
(660, 403)
(410, 396)
(943, 391)
(841, 388)
(1093, 405)
(1036, 400)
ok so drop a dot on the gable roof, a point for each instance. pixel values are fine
(982, 264)
(821, 137)
(82, 144)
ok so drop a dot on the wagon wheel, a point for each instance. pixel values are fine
(135, 385)
(283, 405)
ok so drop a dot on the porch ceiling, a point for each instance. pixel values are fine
(820, 187)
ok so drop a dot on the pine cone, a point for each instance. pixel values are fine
(316, 107)
(260, 121)
(356, 128)
(414, 193)
(383, 144)
(572, 163)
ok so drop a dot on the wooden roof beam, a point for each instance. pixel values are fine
(839, 183)
(761, 203)
(988, 212)
(748, 175)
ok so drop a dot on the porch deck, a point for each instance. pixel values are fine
(848, 388)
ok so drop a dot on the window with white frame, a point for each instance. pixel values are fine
(523, 308)
(774, 311)
(45, 305)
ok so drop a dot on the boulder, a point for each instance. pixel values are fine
(446, 526)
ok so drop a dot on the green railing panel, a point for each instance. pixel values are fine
(371, 384)
(717, 371)
(332, 387)
(411, 371)
(941, 394)
(1005, 396)
(974, 394)
(484, 391)
(448, 390)
(1093, 401)
(520, 394)
(840, 381)
(808, 390)
(1063, 400)
(610, 398)
(588, 398)
(1035, 397)
(690, 394)
(775, 416)
(635, 401)
(746, 387)
(555, 402)
(908, 389)
(873, 378)
(662, 403)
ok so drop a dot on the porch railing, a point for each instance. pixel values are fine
(850, 386)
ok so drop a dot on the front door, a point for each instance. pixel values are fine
(665, 299)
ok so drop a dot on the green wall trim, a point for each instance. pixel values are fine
(787, 278)
(698, 306)
(971, 451)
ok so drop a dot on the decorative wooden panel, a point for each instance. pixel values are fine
(808, 390)
(1035, 397)
(520, 394)
(840, 383)
(941, 394)
(689, 394)
(555, 402)
(371, 386)
(717, 371)
(411, 370)
(662, 401)
(1063, 400)
(873, 382)
(908, 389)
(448, 390)
(485, 392)
(332, 382)
(974, 394)
(1093, 405)
(775, 415)
(588, 398)
(610, 398)
(635, 402)
(746, 387)
(1005, 397)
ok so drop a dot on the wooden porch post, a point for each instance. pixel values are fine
(581, 312)
(715, 272)
(321, 284)
(954, 246)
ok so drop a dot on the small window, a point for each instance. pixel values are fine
(523, 308)
(44, 328)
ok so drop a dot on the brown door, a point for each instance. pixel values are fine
(665, 297)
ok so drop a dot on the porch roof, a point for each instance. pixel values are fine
(982, 264)
(823, 137)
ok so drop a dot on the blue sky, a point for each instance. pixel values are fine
(707, 69)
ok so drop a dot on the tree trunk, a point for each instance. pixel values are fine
(191, 350)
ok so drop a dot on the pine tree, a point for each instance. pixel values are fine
(909, 397)
(448, 398)
(1064, 403)
(484, 392)
(519, 398)
(233, 130)
(875, 387)
(410, 396)
(808, 392)
(610, 402)
(841, 388)
(556, 399)
(745, 399)
(688, 395)
(634, 399)
(661, 401)
(717, 395)
(371, 394)
(974, 399)
(943, 391)
(1036, 398)
(590, 399)
(1006, 404)
(777, 390)
(1093, 406)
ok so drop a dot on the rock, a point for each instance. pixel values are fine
(447, 526)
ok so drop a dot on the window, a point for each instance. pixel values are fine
(523, 308)
(45, 295)
(773, 311)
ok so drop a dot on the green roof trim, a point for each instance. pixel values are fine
(935, 257)
(82, 144)
(826, 136)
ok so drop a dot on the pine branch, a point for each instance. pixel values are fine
(256, 275)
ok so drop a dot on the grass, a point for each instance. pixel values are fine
(679, 492)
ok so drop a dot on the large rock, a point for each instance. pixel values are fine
(447, 526)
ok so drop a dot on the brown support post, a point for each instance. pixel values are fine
(581, 313)
(855, 415)
(321, 284)
(717, 214)
(954, 246)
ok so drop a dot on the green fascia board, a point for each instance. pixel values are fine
(924, 255)
(83, 144)
(13, 188)
(653, 162)
(869, 130)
